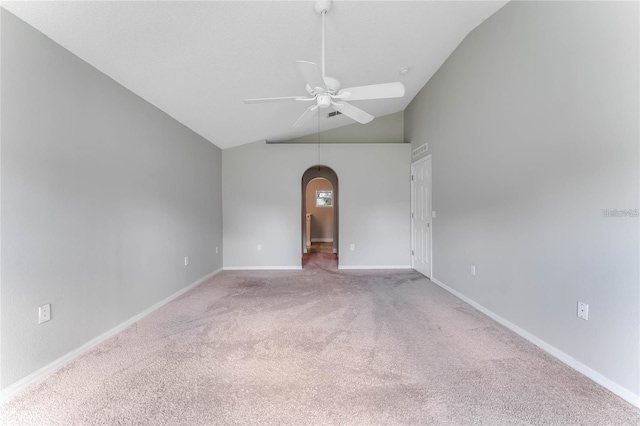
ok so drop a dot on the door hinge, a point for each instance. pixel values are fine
(413, 216)
(413, 177)
(412, 253)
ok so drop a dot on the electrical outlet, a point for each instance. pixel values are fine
(583, 311)
(186, 261)
(216, 250)
(44, 313)
(352, 247)
(473, 270)
(259, 247)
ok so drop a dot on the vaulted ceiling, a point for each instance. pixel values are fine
(197, 61)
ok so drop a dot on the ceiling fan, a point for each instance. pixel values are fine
(324, 91)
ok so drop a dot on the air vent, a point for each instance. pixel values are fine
(419, 150)
(333, 114)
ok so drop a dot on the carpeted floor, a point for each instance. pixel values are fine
(318, 346)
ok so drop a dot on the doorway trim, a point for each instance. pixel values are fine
(326, 172)
(430, 190)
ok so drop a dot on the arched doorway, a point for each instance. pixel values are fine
(320, 217)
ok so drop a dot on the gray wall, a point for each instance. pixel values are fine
(102, 197)
(533, 127)
(263, 202)
(321, 217)
(385, 129)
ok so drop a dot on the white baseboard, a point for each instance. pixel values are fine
(622, 392)
(374, 266)
(11, 390)
(322, 240)
(261, 268)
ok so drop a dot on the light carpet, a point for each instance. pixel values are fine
(318, 346)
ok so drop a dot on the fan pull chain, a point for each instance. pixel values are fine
(319, 134)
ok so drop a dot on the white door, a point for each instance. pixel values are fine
(421, 216)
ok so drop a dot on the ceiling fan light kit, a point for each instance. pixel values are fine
(326, 91)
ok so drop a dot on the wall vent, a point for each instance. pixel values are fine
(419, 150)
(333, 114)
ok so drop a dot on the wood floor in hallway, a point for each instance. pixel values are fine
(320, 255)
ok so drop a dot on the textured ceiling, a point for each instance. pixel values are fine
(197, 61)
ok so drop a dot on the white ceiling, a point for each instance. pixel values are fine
(197, 61)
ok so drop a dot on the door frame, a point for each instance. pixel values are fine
(328, 173)
(430, 187)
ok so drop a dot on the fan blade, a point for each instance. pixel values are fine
(374, 91)
(305, 115)
(311, 75)
(352, 112)
(280, 99)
